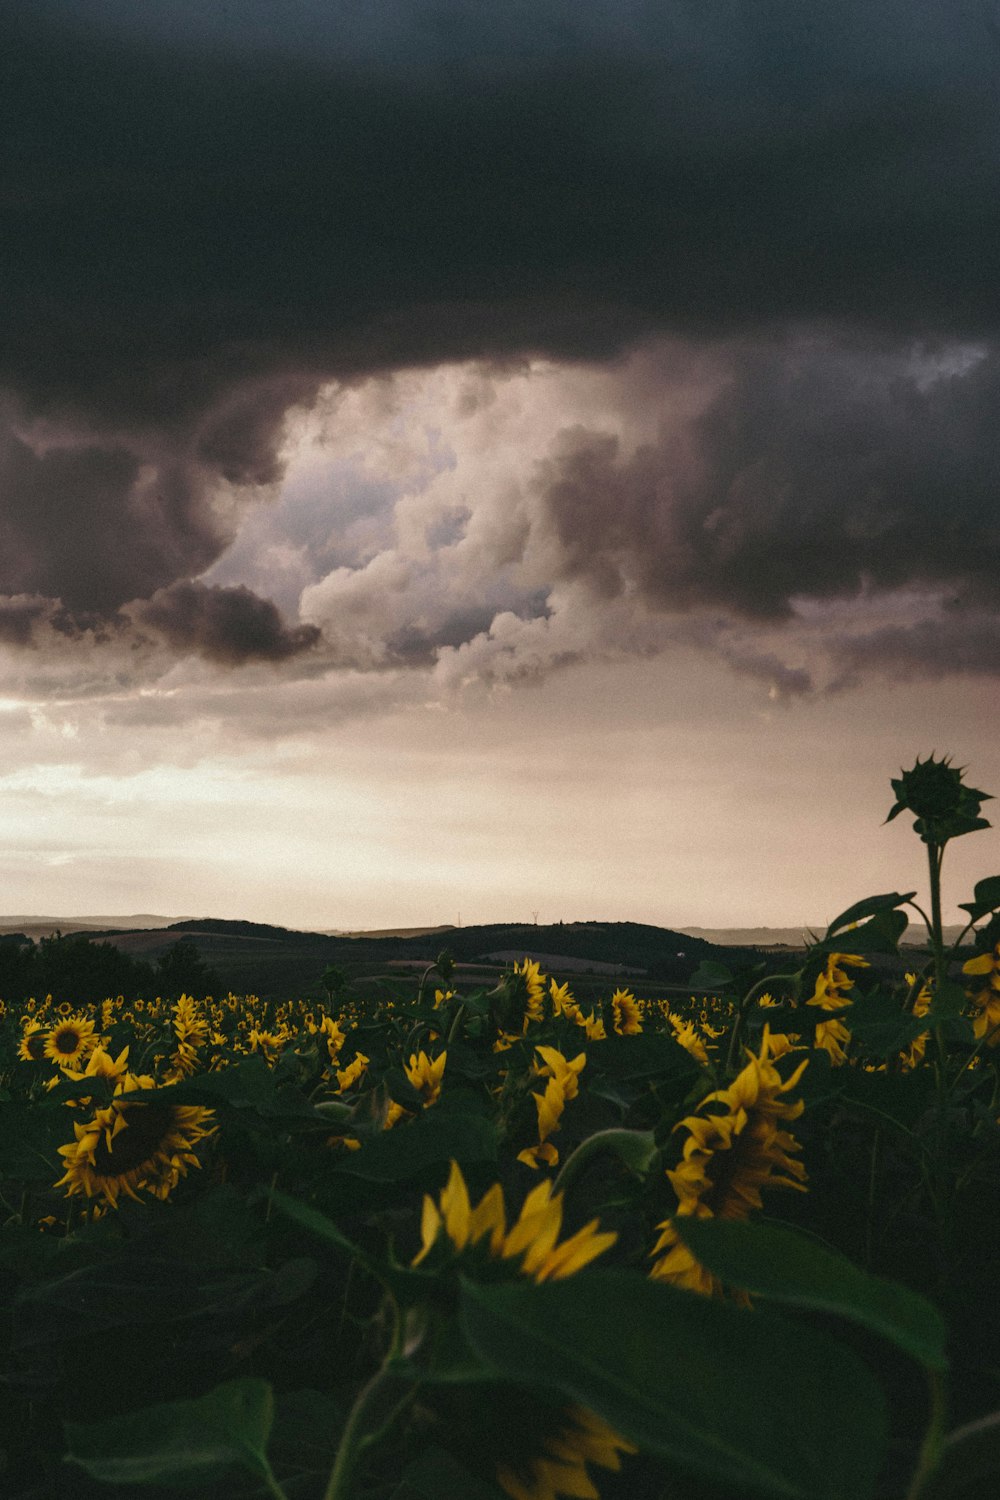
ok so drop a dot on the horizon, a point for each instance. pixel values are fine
(543, 462)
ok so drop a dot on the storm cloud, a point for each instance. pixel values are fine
(226, 625)
(214, 213)
(816, 473)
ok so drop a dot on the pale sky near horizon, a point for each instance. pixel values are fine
(456, 464)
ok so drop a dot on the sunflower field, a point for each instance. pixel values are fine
(498, 1243)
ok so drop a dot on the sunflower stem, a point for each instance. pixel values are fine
(355, 1439)
(929, 1457)
(742, 1009)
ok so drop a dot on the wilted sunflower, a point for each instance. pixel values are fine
(729, 1158)
(70, 1041)
(134, 1146)
(531, 1240)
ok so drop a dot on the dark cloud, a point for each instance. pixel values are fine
(955, 644)
(19, 619)
(815, 474)
(231, 626)
(210, 211)
(93, 526)
(190, 215)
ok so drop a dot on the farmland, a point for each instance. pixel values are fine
(511, 1232)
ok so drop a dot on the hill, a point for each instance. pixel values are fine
(282, 963)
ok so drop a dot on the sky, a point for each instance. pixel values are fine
(465, 463)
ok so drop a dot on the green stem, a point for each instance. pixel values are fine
(637, 1149)
(929, 1457)
(935, 857)
(744, 1006)
(358, 1435)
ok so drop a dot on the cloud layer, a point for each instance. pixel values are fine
(769, 234)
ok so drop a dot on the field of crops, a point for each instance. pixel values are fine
(488, 1243)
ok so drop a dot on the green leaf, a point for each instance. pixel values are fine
(411, 1146)
(636, 1148)
(436, 1475)
(744, 1398)
(986, 898)
(880, 934)
(650, 1054)
(131, 1289)
(868, 908)
(711, 975)
(179, 1443)
(948, 1003)
(770, 1261)
(30, 1137)
(970, 1462)
(880, 1026)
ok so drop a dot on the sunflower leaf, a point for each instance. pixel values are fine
(180, 1443)
(773, 1262)
(986, 898)
(868, 908)
(729, 1396)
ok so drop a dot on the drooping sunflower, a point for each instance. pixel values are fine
(134, 1145)
(728, 1158)
(70, 1041)
(531, 1241)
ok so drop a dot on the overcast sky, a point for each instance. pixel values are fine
(485, 460)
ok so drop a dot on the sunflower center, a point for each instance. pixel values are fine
(36, 1045)
(144, 1136)
(67, 1040)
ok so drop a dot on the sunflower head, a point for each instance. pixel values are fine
(134, 1146)
(944, 805)
(732, 1153)
(627, 1013)
(530, 1246)
(32, 1044)
(70, 1041)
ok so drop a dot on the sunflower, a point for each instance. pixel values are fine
(32, 1044)
(348, 1077)
(133, 1146)
(534, 990)
(70, 1041)
(986, 1022)
(191, 1030)
(627, 1013)
(425, 1075)
(686, 1035)
(832, 1036)
(532, 1239)
(563, 1084)
(578, 1438)
(728, 1158)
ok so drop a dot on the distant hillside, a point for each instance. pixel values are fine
(40, 926)
(794, 937)
(280, 963)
